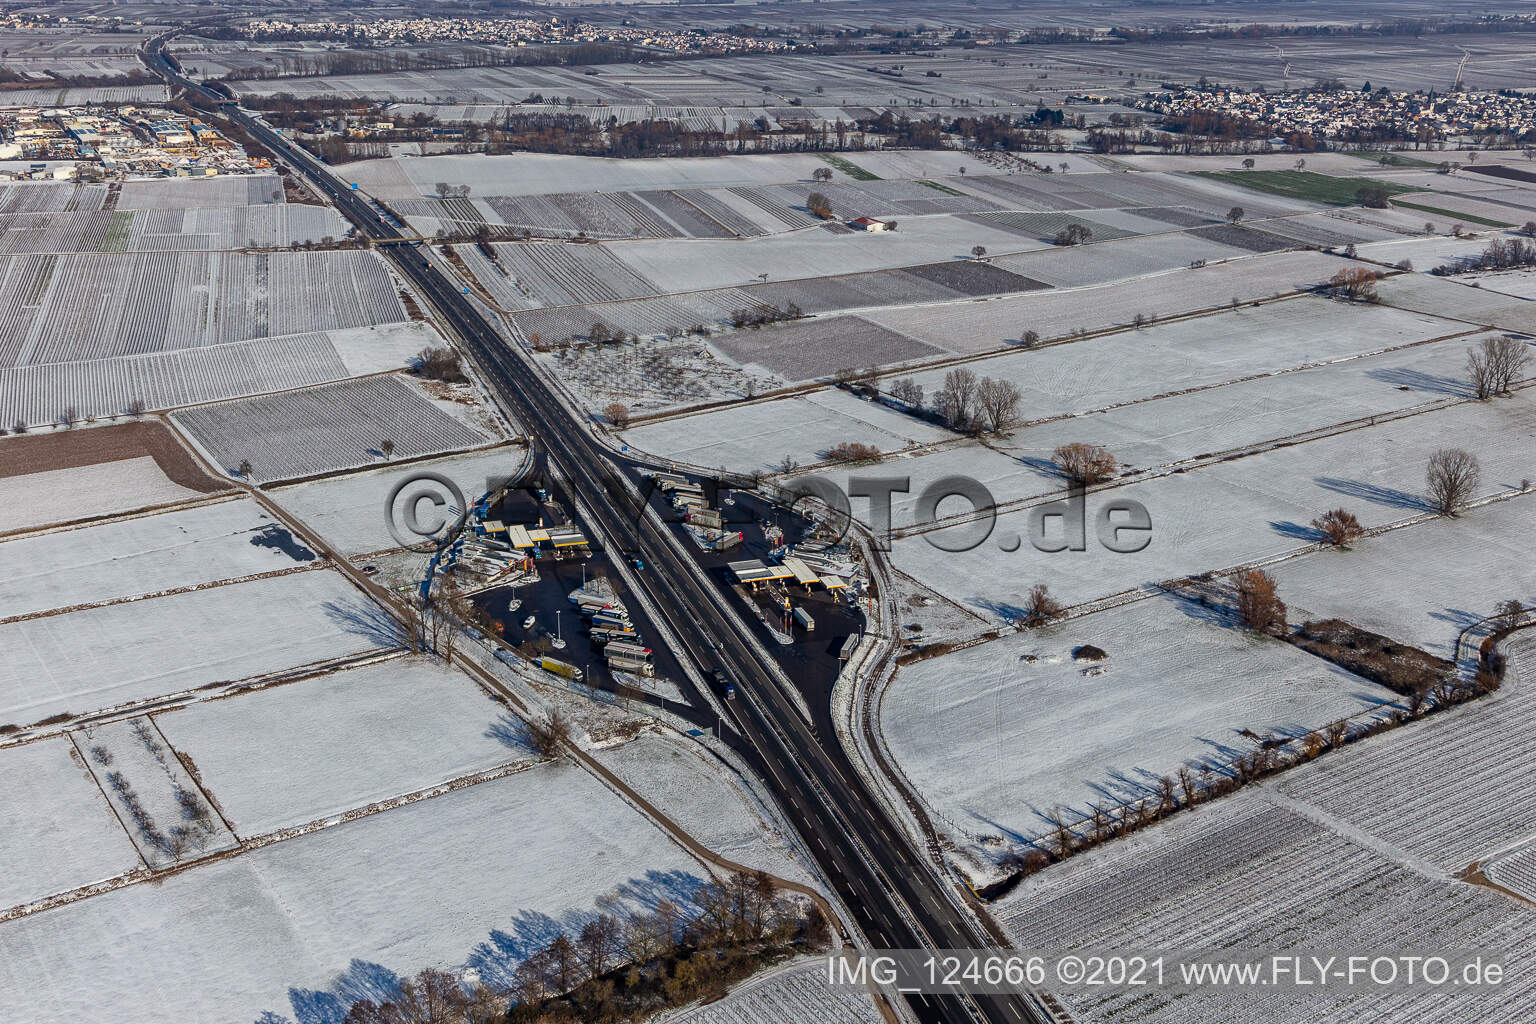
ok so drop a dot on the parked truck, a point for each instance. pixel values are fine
(803, 617)
(634, 666)
(560, 668)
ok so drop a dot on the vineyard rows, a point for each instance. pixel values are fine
(769, 203)
(722, 213)
(1482, 799)
(1246, 876)
(555, 274)
(95, 306)
(799, 994)
(636, 316)
(325, 428)
(107, 387)
(50, 197)
(1240, 237)
(186, 193)
(690, 218)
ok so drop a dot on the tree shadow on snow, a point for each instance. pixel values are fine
(512, 733)
(1375, 494)
(367, 620)
(1418, 380)
(1296, 531)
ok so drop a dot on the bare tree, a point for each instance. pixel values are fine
(1030, 338)
(1040, 607)
(822, 174)
(908, 392)
(598, 942)
(820, 205)
(136, 408)
(1073, 234)
(978, 251)
(1451, 478)
(1355, 283)
(1338, 527)
(1529, 228)
(956, 401)
(550, 735)
(387, 448)
(1511, 614)
(1258, 607)
(617, 413)
(1085, 464)
(997, 402)
(1235, 214)
(1495, 364)
(1248, 163)
(244, 469)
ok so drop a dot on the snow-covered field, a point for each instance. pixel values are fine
(690, 264)
(1234, 512)
(348, 511)
(147, 555)
(978, 327)
(703, 796)
(288, 755)
(999, 735)
(105, 657)
(60, 832)
(759, 436)
(30, 500)
(1467, 567)
(479, 876)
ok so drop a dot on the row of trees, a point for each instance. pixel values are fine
(966, 402)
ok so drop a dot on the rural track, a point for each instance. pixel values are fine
(895, 896)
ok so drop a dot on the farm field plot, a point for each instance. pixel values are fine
(1451, 298)
(1519, 283)
(168, 230)
(76, 97)
(998, 736)
(971, 327)
(1300, 886)
(96, 306)
(148, 555)
(292, 754)
(105, 657)
(48, 496)
(348, 511)
(325, 428)
(86, 474)
(678, 265)
(1044, 226)
(1370, 587)
(757, 437)
(325, 918)
(1133, 365)
(160, 806)
(1516, 872)
(552, 274)
(1424, 252)
(1325, 230)
(797, 991)
(1102, 262)
(819, 347)
(1241, 237)
(706, 799)
(1233, 512)
(70, 837)
(188, 193)
(661, 316)
(595, 214)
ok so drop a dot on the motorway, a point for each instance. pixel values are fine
(895, 897)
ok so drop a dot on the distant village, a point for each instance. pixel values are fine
(95, 141)
(1336, 113)
(512, 32)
